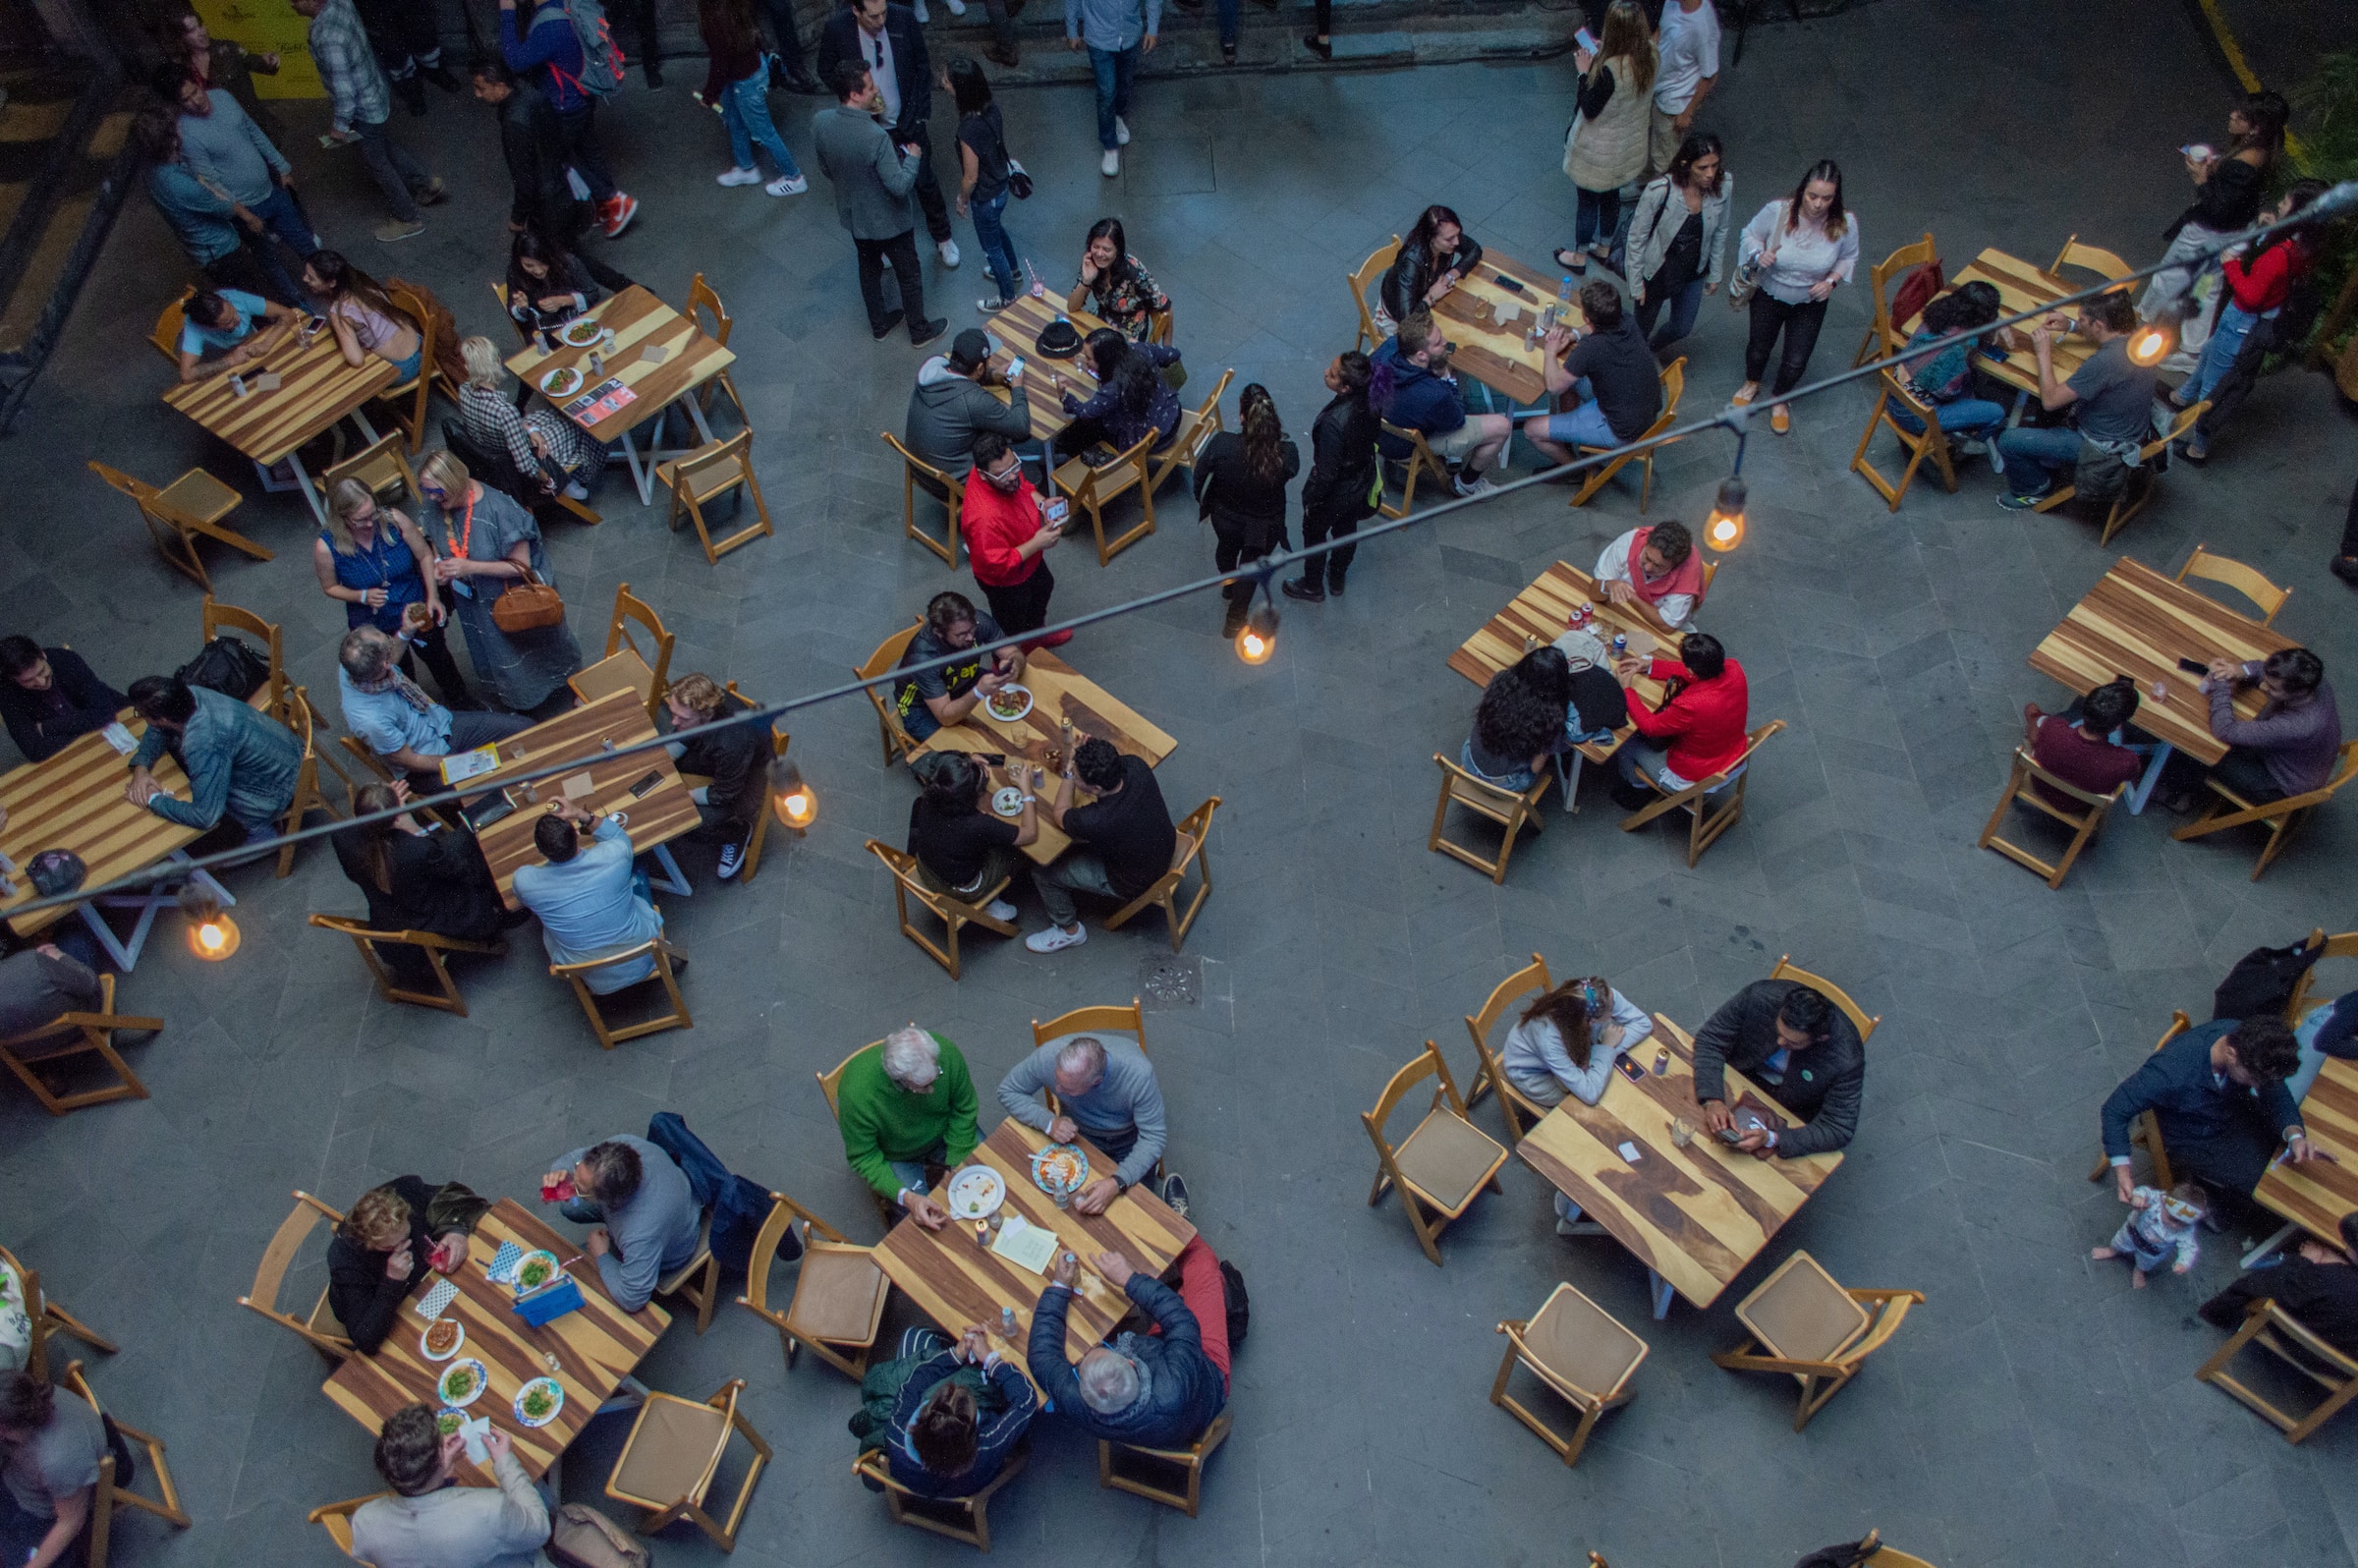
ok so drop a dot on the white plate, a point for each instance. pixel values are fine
(525, 1262)
(1008, 691)
(553, 1386)
(579, 334)
(483, 1381)
(976, 1192)
(558, 378)
(1008, 801)
(456, 1346)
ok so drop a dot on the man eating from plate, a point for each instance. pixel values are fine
(933, 699)
(429, 1523)
(1105, 1089)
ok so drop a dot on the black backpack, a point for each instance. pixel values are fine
(2262, 981)
(1240, 1304)
(228, 665)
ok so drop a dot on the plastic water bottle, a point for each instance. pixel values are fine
(1563, 290)
(1007, 1324)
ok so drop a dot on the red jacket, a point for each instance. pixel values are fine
(2263, 286)
(1703, 723)
(995, 524)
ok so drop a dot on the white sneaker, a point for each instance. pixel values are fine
(999, 909)
(576, 491)
(1057, 937)
(1121, 131)
(957, 8)
(1110, 164)
(921, 12)
(741, 177)
(787, 185)
(1476, 484)
(1997, 459)
(949, 252)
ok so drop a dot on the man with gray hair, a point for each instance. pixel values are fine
(1156, 1390)
(395, 718)
(907, 1109)
(1105, 1090)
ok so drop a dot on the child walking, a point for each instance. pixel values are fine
(2160, 1225)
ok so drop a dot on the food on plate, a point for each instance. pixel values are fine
(459, 1382)
(1060, 1168)
(447, 1422)
(582, 332)
(1009, 702)
(540, 1401)
(562, 382)
(442, 1337)
(535, 1271)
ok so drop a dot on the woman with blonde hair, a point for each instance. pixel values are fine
(548, 449)
(375, 561)
(393, 1236)
(485, 545)
(1606, 147)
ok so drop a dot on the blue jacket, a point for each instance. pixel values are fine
(2178, 1086)
(1420, 399)
(203, 220)
(1185, 1389)
(552, 46)
(240, 762)
(997, 1437)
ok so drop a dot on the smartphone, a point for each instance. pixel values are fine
(1729, 1134)
(1630, 1070)
(2194, 666)
(1508, 284)
(640, 789)
(994, 758)
(1586, 41)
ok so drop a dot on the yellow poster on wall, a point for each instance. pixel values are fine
(267, 26)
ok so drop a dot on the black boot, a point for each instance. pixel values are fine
(1335, 575)
(1234, 620)
(1307, 588)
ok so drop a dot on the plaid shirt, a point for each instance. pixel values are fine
(349, 67)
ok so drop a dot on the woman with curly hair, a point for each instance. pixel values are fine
(393, 1237)
(1520, 725)
(1240, 490)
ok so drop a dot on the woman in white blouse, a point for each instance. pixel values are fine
(1567, 1039)
(1801, 246)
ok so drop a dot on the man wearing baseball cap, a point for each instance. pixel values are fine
(952, 404)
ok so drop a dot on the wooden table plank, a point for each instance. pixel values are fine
(2137, 622)
(2022, 287)
(1696, 1215)
(1541, 611)
(1488, 351)
(1013, 333)
(596, 1348)
(74, 800)
(2315, 1195)
(639, 322)
(318, 388)
(954, 1282)
(664, 813)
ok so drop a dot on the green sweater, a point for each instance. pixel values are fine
(884, 1122)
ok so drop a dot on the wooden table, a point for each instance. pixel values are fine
(2022, 287)
(662, 814)
(75, 801)
(1058, 692)
(316, 389)
(1491, 353)
(2314, 1196)
(1013, 333)
(596, 1348)
(639, 322)
(954, 1282)
(1695, 1217)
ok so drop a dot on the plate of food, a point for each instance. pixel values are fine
(538, 1401)
(441, 1339)
(447, 1422)
(581, 332)
(535, 1269)
(976, 1192)
(1007, 800)
(1009, 703)
(562, 382)
(462, 1383)
(1060, 1169)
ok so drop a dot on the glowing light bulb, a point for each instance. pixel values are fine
(211, 939)
(212, 935)
(2151, 344)
(791, 800)
(1724, 530)
(1259, 639)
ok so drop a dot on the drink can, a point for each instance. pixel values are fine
(1620, 644)
(1661, 1062)
(237, 384)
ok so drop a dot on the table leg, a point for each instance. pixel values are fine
(367, 430)
(1568, 777)
(271, 481)
(2152, 776)
(696, 413)
(125, 954)
(311, 492)
(642, 475)
(1660, 1289)
(125, 958)
(674, 880)
(2270, 1247)
(630, 1394)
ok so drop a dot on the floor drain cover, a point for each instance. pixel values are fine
(1167, 982)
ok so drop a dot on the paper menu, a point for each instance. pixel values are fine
(460, 766)
(1026, 1245)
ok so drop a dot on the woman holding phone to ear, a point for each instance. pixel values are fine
(383, 1250)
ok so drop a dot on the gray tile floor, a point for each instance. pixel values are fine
(2034, 1411)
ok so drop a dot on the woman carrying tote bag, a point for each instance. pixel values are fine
(1678, 238)
(1606, 147)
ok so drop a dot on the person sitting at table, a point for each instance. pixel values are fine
(1150, 1390)
(1567, 1039)
(734, 756)
(932, 699)
(952, 405)
(1699, 729)
(1114, 286)
(2109, 396)
(420, 876)
(1803, 1048)
(363, 316)
(904, 1110)
(228, 329)
(51, 696)
(242, 763)
(963, 850)
(2288, 747)
(941, 1443)
(549, 450)
(2217, 1095)
(489, 543)
(1666, 587)
(374, 560)
(2318, 1286)
(40, 982)
(1944, 376)
(1436, 257)
(431, 1523)
(386, 1244)
(645, 1215)
(1106, 1090)
(398, 721)
(2077, 744)
(2323, 1033)
(1609, 368)
(547, 284)
(590, 899)
(1133, 399)
(1123, 841)
(1007, 539)
(1521, 721)
(1414, 390)
(50, 1448)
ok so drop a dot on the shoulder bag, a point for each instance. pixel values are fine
(528, 606)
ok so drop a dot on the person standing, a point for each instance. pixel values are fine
(210, 227)
(738, 86)
(2227, 189)
(1240, 485)
(490, 543)
(1007, 541)
(872, 178)
(547, 43)
(789, 71)
(220, 63)
(1606, 149)
(1681, 218)
(2344, 564)
(532, 140)
(1688, 46)
(374, 560)
(645, 35)
(2257, 280)
(1807, 243)
(355, 86)
(230, 154)
(1117, 34)
(1335, 498)
(883, 37)
(983, 178)
(408, 48)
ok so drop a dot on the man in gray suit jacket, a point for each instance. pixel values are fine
(429, 1523)
(872, 179)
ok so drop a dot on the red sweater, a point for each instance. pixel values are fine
(995, 524)
(2263, 286)
(1703, 723)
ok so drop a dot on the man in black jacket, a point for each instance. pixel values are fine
(2320, 1288)
(884, 38)
(734, 756)
(49, 696)
(1797, 1045)
(533, 143)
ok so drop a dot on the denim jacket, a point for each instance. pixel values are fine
(240, 761)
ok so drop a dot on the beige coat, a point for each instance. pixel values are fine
(1610, 152)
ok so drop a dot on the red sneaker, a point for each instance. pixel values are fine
(1055, 638)
(618, 214)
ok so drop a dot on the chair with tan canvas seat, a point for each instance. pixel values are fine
(1674, 387)
(1363, 278)
(1511, 810)
(219, 617)
(382, 465)
(1443, 1165)
(898, 745)
(47, 1318)
(2206, 566)
(706, 474)
(2144, 1130)
(1093, 490)
(1197, 427)
(672, 1457)
(2029, 784)
(1581, 1352)
(2092, 258)
(320, 1328)
(296, 714)
(917, 474)
(188, 509)
(2280, 817)
(1192, 849)
(837, 1305)
(389, 984)
(1713, 805)
(2137, 488)
(169, 323)
(79, 1033)
(953, 911)
(1522, 1111)
(1787, 970)
(662, 952)
(110, 1497)
(1145, 1472)
(703, 304)
(2271, 1329)
(965, 1519)
(1420, 459)
(1884, 335)
(637, 661)
(1806, 1325)
(1893, 398)
(336, 1518)
(407, 403)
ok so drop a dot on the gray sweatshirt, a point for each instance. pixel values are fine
(653, 1233)
(947, 411)
(1126, 1097)
(227, 149)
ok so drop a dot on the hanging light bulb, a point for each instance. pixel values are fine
(1259, 639)
(1724, 530)
(790, 798)
(2149, 344)
(212, 934)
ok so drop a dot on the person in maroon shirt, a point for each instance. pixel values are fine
(2083, 753)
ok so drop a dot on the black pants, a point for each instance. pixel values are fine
(582, 150)
(714, 825)
(782, 25)
(433, 645)
(1326, 18)
(1316, 529)
(641, 15)
(566, 225)
(2243, 769)
(1021, 607)
(907, 270)
(402, 36)
(1235, 551)
(1798, 322)
(2229, 1166)
(929, 188)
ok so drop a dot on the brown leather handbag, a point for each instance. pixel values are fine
(528, 606)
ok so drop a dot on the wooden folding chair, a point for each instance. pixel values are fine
(937, 483)
(1707, 822)
(668, 1463)
(2137, 489)
(409, 401)
(320, 1328)
(1674, 387)
(388, 982)
(1786, 969)
(382, 465)
(499, 292)
(1092, 489)
(295, 712)
(1420, 459)
(1806, 1325)
(1197, 427)
(1119, 1467)
(627, 666)
(109, 1497)
(1195, 830)
(48, 1320)
(1363, 278)
(703, 477)
(2280, 817)
(2274, 1330)
(168, 325)
(1128, 1019)
(270, 695)
(2093, 259)
(1522, 1111)
(2343, 944)
(79, 1033)
(1579, 1350)
(779, 740)
(828, 1079)
(697, 1280)
(2209, 567)
(1929, 440)
(1511, 810)
(1443, 1166)
(2023, 789)
(185, 511)
(961, 1519)
(663, 953)
(336, 1518)
(703, 303)
(899, 747)
(2145, 1132)
(837, 1306)
(953, 911)
(1884, 335)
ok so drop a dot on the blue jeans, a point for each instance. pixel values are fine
(910, 1174)
(2040, 453)
(1641, 760)
(1115, 70)
(1520, 779)
(1227, 14)
(2235, 323)
(998, 252)
(1595, 216)
(282, 217)
(920, 721)
(744, 109)
(1684, 305)
(1976, 417)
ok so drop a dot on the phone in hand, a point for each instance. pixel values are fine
(2194, 666)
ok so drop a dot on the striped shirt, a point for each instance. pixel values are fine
(348, 66)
